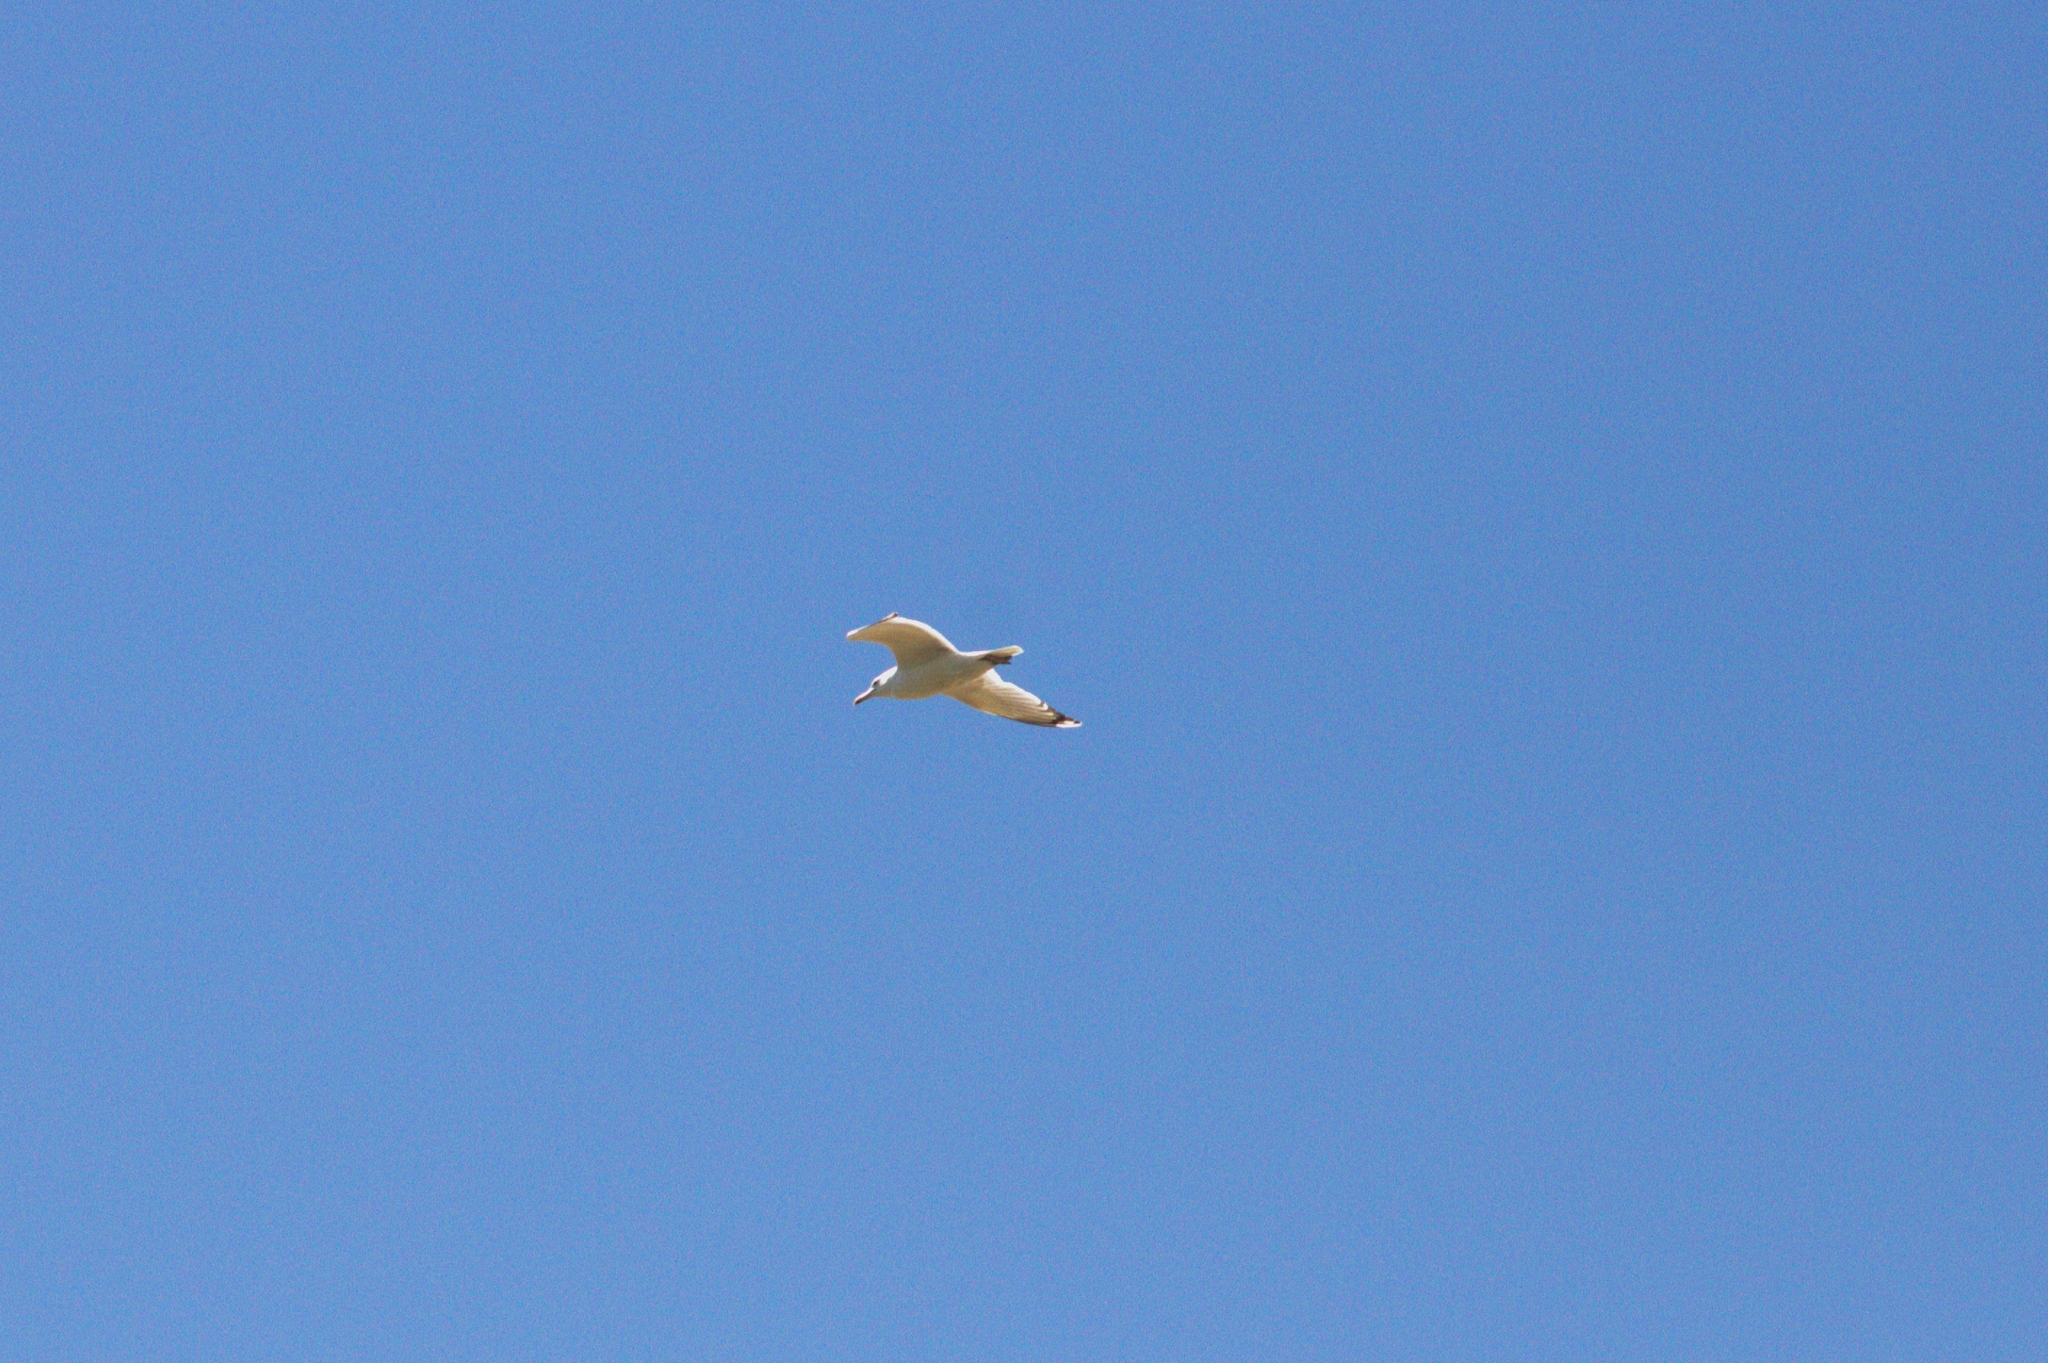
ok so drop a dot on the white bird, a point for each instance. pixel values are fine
(927, 664)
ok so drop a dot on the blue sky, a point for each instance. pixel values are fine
(1542, 511)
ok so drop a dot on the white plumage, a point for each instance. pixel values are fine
(927, 664)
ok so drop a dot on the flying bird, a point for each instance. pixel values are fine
(927, 664)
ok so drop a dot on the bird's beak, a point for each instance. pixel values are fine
(865, 695)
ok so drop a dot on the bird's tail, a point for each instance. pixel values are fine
(999, 656)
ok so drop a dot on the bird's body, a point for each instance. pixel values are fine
(927, 664)
(934, 676)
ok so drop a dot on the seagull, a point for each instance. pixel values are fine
(927, 664)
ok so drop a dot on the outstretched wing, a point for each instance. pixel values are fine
(992, 694)
(912, 641)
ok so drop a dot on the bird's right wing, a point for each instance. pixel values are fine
(992, 695)
(912, 641)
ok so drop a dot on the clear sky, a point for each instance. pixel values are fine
(1542, 510)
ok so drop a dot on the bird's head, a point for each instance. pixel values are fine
(874, 686)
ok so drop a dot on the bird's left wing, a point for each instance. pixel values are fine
(993, 695)
(912, 641)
